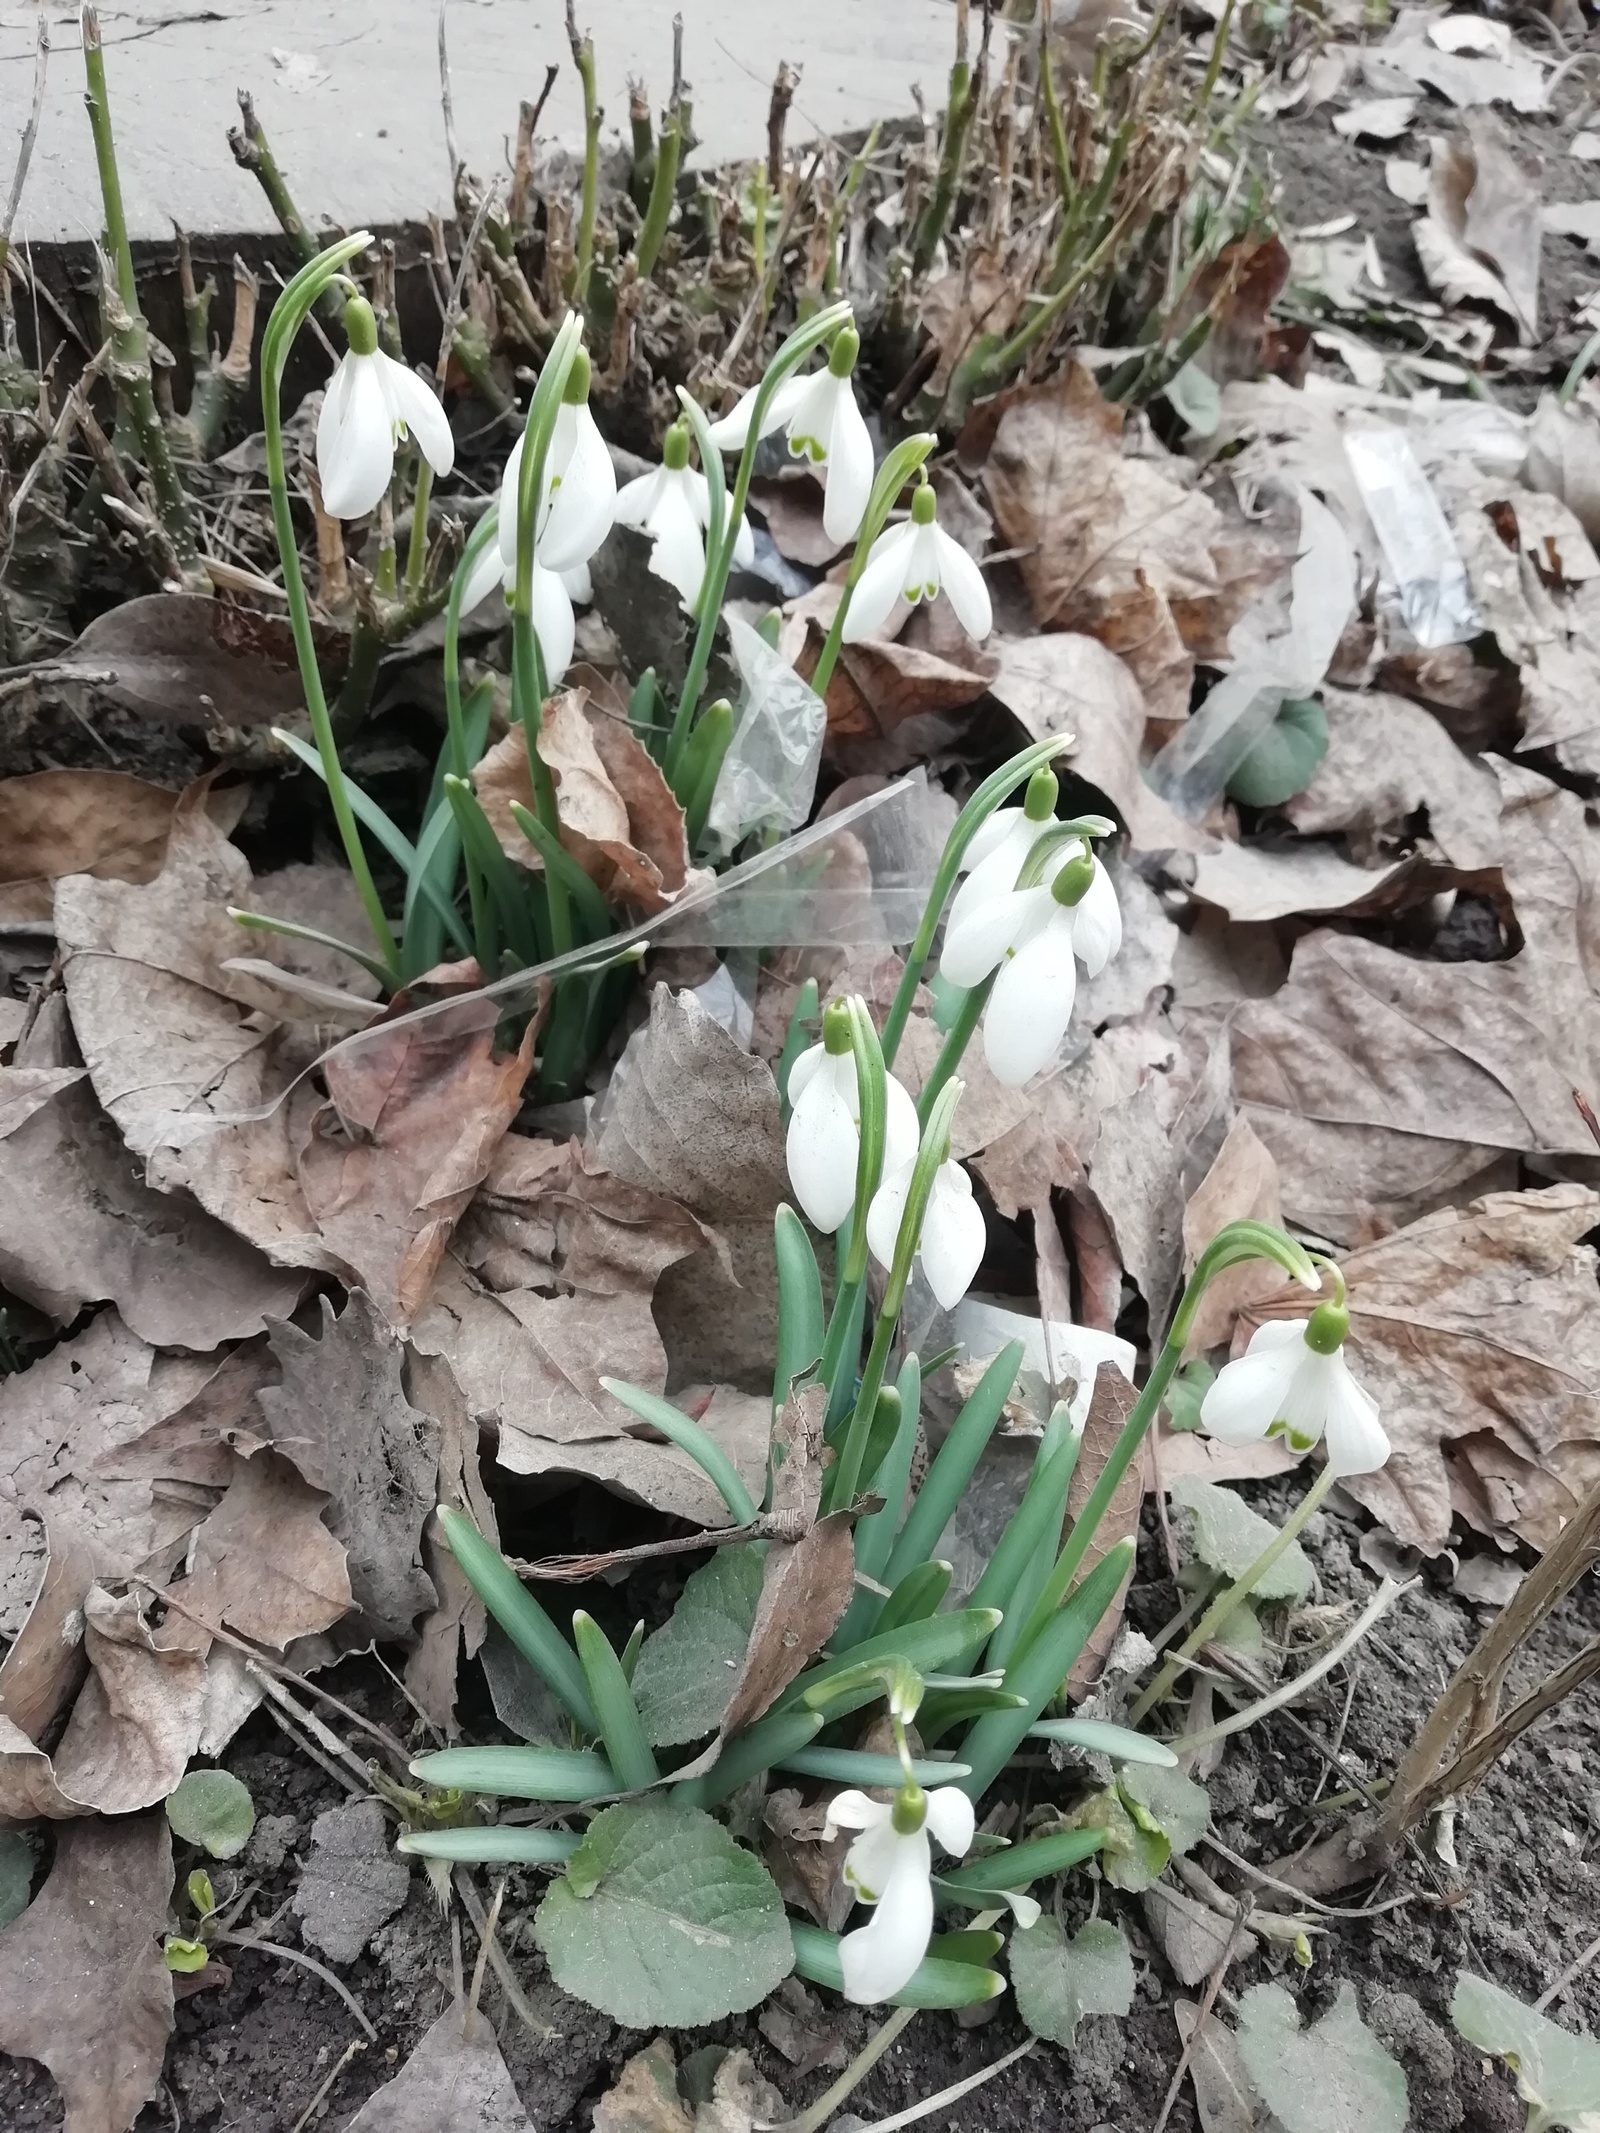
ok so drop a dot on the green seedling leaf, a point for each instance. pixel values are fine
(688, 1670)
(184, 1956)
(16, 1874)
(1286, 758)
(1164, 1799)
(662, 1920)
(1558, 2074)
(1133, 1853)
(1058, 1982)
(201, 1894)
(1121, 1743)
(1325, 2079)
(1193, 396)
(1184, 1395)
(212, 1809)
(1229, 1536)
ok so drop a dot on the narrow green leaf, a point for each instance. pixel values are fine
(509, 1845)
(855, 1766)
(801, 1323)
(759, 1747)
(916, 1597)
(614, 1707)
(591, 905)
(289, 929)
(519, 1773)
(1121, 1743)
(1019, 1865)
(689, 1437)
(511, 895)
(954, 1466)
(932, 1984)
(946, 1641)
(518, 1614)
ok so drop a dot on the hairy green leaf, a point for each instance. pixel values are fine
(686, 1672)
(1058, 1982)
(1286, 758)
(1557, 2073)
(1229, 1536)
(1326, 2079)
(212, 1809)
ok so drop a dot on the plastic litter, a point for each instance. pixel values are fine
(1430, 578)
(769, 774)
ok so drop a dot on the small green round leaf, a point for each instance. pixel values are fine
(214, 1810)
(1286, 758)
(1058, 1981)
(184, 1956)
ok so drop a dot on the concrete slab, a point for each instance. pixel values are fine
(349, 95)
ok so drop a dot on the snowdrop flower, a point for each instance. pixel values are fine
(917, 561)
(554, 623)
(673, 506)
(889, 1865)
(825, 427)
(580, 485)
(994, 858)
(824, 1141)
(1034, 938)
(953, 1236)
(370, 404)
(1293, 1381)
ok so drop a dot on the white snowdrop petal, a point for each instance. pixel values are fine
(963, 586)
(953, 1242)
(1248, 1395)
(1030, 1006)
(679, 553)
(507, 506)
(1304, 1406)
(850, 470)
(821, 1149)
(1355, 1438)
(810, 423)
(636, 499)
(744, 545)
(995, 874)
(880, 584)
(855, 1810)
(417, 405)
(1000, 826)
(1097, 923)
(488, 575)
(1277, 1333)
(972, 949)
(585, 501)
(880, 1958)
(359, 464)
(579, 584)
(952, 1819)
(553, 622)
(886, 1211)
(802, 1070)
(902, 1134)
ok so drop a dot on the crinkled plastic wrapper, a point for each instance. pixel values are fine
(857, 879)
(769, 774)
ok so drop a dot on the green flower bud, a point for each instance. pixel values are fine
(360, 327)
(910, 1810)
(836, 1029)
(1071, 885)
(1327, 1328)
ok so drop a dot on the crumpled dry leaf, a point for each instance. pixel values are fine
(340, 1414)
(1064, 682)
(1481, 208)
(1254, 883)
(1387, 761)
(618, 817)
(1477, 1332)
(648, 2097)
(352, 1883)
(100, 822)
(1109, 1407)
(414, 1114)
(1422, 48)
(264, 1562)
(1564, 457)
(549, 1288)
(170, 1049)
(184, 659)
(79, 1225)
(83, 1985)
(878, 688)
(1381, 1082)
(1241, 1185)
(454, 2082)
(138, 1717)
(1107, 540)
(460, 1621)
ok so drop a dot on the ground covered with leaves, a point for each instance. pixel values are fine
(1288, 514)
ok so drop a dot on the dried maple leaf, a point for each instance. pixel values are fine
(415, 1111)
(99, 822)
(83, 1985)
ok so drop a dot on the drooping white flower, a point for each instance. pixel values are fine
(580, 484)
(914, 561)
(825, 427)
(1035, 938)
(824, 1140)
(1293, 1379)
(994, 857)
(890, 1866)
(953, 1235)
(370, 404)
(673, 505)
(554, 623)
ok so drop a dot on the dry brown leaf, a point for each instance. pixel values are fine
(1387, 761)
(1107, 539)
(618, 817)
(1109, 1407)
(1456, 272)
(100, 822)
(876, 687)
(454, 2082)
(79, 1225)
(1564, 457)
(394, 1157)
(83, 1985)
(1065, 682)
(1477, 1332)
(263, 1562)
(341, 1415)
(1241, 1185)
(459, 1622)
(807, 1866)
(984, 296)
(1254, 883)
(138, 1717)
(1380, 1082)
(791, 504)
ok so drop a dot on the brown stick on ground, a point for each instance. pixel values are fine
(1464, 1734)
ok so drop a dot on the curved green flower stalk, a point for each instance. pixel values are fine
(905, 460)
(288, 316)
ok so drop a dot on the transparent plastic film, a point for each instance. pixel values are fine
(1430, 577)
(769, 774)
(858, 878)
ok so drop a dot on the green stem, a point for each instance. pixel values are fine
(583, 60)
(417, 551)
(105, 156)
(1227, 1602)
(957, 118)
(288, 315)
(817, 2115)
(663, 189)
(1011, 353)
(485, 532)
(1052, 106)
(957, 1038)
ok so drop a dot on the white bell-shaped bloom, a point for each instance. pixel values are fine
(825, 427)
(672, 504)
(580, 492)
(370, 404)
(891, 1867)
(994, 857)
(824, 1140)
(1034, 939)
(953, 1235)
(1301, 1387)
(914, 561)
(554, 623)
